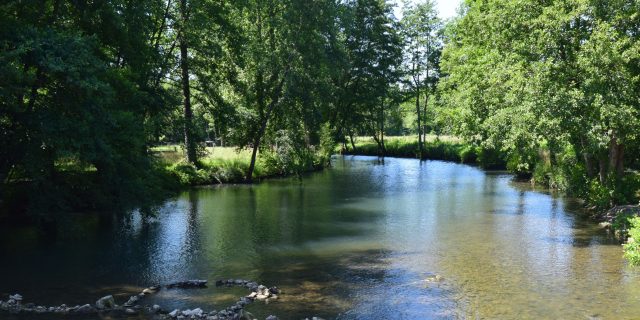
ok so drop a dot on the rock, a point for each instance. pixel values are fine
(219, 283)
(435, 278)
(188, 284)
(252, 295)
(132, 301)
(274, 290)
(130, 311)
(174, 313)
(274, 296)
(17, 297)
(238, 281)
(156, 308)
(272, 317)
(106, 302)
(261, 297)
(87, 308)
(196, 312)
(605, 225)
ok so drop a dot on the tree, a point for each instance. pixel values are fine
(559, 78)
(421, 29)
(372, 49)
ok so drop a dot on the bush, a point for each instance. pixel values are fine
(632, 247)
(287, 159)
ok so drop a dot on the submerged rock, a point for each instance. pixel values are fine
(16, 297)
(174, 313)
(132, 301)
(106, 302)
(188, 284)
(87, 308)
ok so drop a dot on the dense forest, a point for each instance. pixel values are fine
(92, 90)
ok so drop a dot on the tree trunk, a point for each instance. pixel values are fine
(426, 101)
(616, 158)
(189, 142)
(421, 145)
(353, 145)
(588, 160)
(384, 149)
(602, 162)
(263, 126)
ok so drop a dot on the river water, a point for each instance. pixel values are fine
(402, 239)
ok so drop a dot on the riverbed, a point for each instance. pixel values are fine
(365, 239)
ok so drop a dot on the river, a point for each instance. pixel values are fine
(402, 239)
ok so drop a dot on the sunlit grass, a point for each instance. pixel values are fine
(216, 165)
(410, 139)
(447, 148)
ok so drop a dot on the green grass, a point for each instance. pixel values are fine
(446, 148)
(220, 165)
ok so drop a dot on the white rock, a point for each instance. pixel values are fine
(16, 297)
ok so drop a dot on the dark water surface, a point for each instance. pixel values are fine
(363, 240)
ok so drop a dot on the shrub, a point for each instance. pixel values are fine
(632, 247)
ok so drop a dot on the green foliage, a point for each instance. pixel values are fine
(447, 150)
(551, 87)
(632, 247)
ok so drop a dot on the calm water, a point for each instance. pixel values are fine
(363, 240)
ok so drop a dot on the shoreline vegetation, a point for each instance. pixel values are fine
(222, 165)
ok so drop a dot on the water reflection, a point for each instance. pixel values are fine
(363, 240)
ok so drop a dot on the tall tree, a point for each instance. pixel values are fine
(421, 28)
(372, 52)
(189, 139)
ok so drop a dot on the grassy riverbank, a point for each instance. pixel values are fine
(231, 165)
(446, 148)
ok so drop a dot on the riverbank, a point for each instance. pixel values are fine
(220, 165)
(445, 148)
(77, 187)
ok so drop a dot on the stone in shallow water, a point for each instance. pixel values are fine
(274, 290)
(87, 308)
(16, 297)
(132, 301)
(106, 302)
